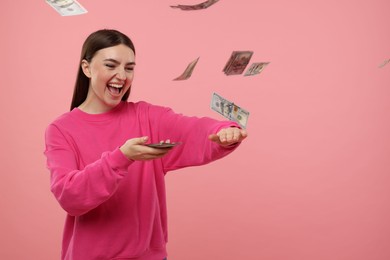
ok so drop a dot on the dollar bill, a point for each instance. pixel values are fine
(188, 72)
(229, 110)
(67, 7)
(237, 62)
(200, 6)
(256, 68)
(384, 63)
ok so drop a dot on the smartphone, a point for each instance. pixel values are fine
(163, 145)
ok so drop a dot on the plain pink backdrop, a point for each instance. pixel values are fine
(310, 183)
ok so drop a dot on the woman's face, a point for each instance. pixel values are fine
(111, 72)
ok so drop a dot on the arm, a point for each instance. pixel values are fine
(81, 190)
(203, 139)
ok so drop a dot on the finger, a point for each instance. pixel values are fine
(168, 141)
(222, 135)
(236, 135)
(214, 137)
(230, 135)
(244, 134)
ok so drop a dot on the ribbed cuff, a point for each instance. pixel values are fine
(118, 160)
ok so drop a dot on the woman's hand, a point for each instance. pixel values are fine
(135, 149)
(229, 136)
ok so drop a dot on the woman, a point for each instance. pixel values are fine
(103, 174)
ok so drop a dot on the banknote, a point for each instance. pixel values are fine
(256, 68)
(237, 62)
(200, 6)
(229, 110)
(188, 72)
(384, 63)
(67, 7)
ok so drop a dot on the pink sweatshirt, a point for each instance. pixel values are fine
(117, 207)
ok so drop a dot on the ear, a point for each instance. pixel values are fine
(86, 68)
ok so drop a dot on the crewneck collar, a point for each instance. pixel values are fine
(77, 112)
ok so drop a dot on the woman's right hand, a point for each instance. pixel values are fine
(135, 149)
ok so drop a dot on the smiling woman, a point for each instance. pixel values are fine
(102, 55)
(103, 172)
(111, 73)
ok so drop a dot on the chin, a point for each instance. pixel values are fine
(113, 103)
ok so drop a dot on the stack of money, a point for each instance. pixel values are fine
(200, 6)
(229, 110)
(67, 7)
(237, 62)
(188, 72)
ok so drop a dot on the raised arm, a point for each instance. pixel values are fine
(203, 139)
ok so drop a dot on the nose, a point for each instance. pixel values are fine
(121, 74)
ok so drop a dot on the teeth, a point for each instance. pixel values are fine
(115, 85)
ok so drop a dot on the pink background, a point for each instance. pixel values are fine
(310, 183)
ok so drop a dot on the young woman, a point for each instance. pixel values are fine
(103, 174)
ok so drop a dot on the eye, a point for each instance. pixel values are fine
(130, 68)
(111, 66)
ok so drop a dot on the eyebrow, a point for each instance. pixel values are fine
(117, 62)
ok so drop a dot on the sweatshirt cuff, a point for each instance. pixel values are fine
(226, 124)
(118, 160)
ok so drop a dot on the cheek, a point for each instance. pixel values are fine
(101, 78)
(98, 83)
(130, 76)
(129, 80)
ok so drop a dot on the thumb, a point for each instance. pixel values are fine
(214, 137)
(140, 140)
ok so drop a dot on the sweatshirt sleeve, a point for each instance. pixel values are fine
(193, 132)
(81, 190)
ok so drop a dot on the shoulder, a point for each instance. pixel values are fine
(53, 130)
(62, 119)
(146, 107)
(60, 124)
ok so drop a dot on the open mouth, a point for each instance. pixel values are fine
(115, 89)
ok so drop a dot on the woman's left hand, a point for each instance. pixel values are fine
(229, 136)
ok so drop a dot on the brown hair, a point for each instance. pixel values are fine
(96, 41)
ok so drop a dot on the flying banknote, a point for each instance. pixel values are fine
(256, 68)
(67, 7)
(200, 6)
(229, 110)
(237, 62)
(188, 72)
